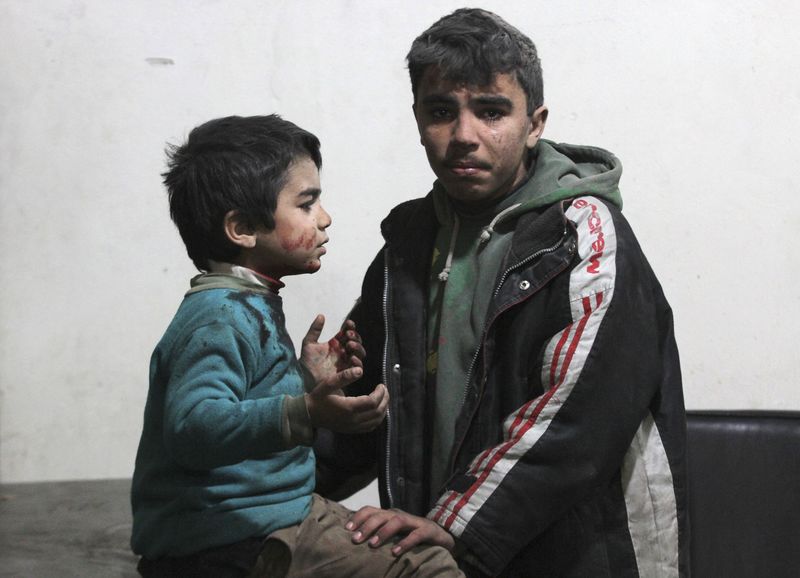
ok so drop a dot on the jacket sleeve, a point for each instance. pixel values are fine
(599, 373)
(348, 462)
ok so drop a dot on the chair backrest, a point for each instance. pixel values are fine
(744, 493)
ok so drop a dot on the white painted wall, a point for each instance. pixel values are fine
(699, 99)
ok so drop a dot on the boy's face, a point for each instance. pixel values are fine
(477, 138)
(295, 245)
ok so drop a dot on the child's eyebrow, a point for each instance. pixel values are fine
(310, 192)
(309, 195)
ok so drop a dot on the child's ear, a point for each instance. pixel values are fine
(238, 232)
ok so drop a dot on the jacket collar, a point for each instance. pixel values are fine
(535, 230)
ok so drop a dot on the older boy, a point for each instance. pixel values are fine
(225, 473)
(536, 415)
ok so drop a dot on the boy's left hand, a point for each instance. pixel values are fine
(332, 362)
(376, 526)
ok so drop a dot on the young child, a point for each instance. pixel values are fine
(224, 477)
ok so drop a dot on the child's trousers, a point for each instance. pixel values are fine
(318, 547)
(321, 547)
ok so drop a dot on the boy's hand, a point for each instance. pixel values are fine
(336, 362)
(377, 526)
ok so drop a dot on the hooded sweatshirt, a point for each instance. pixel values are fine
(467, 253)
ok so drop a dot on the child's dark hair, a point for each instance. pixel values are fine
(231, 164)
(471, 46)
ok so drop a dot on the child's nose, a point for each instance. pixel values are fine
(324, 220)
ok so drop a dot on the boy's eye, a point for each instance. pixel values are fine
(307, 206)
(439, 113)
(493, 114)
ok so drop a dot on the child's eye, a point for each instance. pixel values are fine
(307, 206)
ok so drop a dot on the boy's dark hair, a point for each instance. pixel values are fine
(471, 46)
(231, 164)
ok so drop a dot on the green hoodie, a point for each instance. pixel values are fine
(467, 253)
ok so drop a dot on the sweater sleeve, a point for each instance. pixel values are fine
(297, 427)
(209, 421)
(600, 374)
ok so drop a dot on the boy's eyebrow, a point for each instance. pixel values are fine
(481, 100)
(493, 100)
(438, 99)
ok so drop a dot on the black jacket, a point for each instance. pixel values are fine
(569, 453)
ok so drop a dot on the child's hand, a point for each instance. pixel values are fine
(335, 362)
(328, 407)
(377, 526)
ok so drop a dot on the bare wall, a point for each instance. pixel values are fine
(700, 100)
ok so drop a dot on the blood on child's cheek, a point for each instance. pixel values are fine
(291, 243)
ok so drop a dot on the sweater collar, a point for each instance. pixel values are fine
(228, 275)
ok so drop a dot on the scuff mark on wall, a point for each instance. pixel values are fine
(159, 61)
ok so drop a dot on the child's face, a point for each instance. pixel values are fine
(295, 245)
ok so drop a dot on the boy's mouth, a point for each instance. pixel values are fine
(466, 167)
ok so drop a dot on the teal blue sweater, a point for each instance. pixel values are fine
(214, 464)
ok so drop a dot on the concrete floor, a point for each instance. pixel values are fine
(66, 529)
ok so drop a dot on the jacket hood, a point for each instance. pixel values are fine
(558, 172)
(562, 171)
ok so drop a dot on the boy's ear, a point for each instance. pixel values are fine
(416, 120)
(238, 232)
(538, 121)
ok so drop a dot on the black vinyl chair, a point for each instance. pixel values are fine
(744, 493)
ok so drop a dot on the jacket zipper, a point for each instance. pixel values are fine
(530, 258)
(385, 372)
(525, 261)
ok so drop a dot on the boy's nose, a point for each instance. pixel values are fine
(464, 130)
